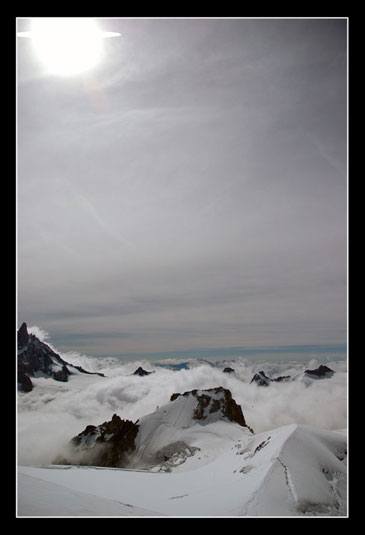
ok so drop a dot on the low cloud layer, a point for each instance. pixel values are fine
(54, 412)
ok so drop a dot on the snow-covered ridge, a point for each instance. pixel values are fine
(167, 434)
(183, 421)
(290, 471)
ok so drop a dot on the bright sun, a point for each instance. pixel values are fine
(67, 46)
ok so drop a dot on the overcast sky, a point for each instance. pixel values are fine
(188, 192)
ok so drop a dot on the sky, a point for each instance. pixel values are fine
(188, 192)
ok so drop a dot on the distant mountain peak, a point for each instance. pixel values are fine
(320, 372)
(261, 379)
(23, 335)
(141, 372)
(37, 358)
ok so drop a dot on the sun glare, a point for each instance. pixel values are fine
(67, 46)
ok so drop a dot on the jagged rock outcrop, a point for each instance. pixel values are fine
(141, 372)
(37, 358)
(62, 374)
(319, 373)
(214, 400)
(82, 370)
(161, 437)
(25, 383)
(227, 369)
(108, 444)
(282, 378)
(261, 379)
(23, 336)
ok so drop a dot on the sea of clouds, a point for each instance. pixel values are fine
(54, 412)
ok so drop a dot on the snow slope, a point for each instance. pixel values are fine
(289, 471)
(173, 425)
(52, 499)
(218, 468)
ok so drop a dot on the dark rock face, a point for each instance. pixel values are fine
(214, 400)
(36, 357)
(113, 443)
(81, 369)
(282, 378)
(23, 336)
(108, 444)
(141, 372)
(62, 374)
(25, 383)
(227, 369)
(261, 379)
(320, 372)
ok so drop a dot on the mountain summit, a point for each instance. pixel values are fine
(214, 403)
(35, 358)
(164, 438)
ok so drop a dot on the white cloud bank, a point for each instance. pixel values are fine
(54, 412)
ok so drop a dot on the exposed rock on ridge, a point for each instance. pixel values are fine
(261, 379)
(141, 372)
(320, 372)
(157, 437)
(107, 444)
(213, 400)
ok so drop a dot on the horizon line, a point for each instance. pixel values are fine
(236, 350)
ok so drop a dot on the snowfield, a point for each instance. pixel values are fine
(181, 466)
(290, 471)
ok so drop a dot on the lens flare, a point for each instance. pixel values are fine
(67, 46)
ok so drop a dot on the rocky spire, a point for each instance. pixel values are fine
(35, 356)
(23, 336)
